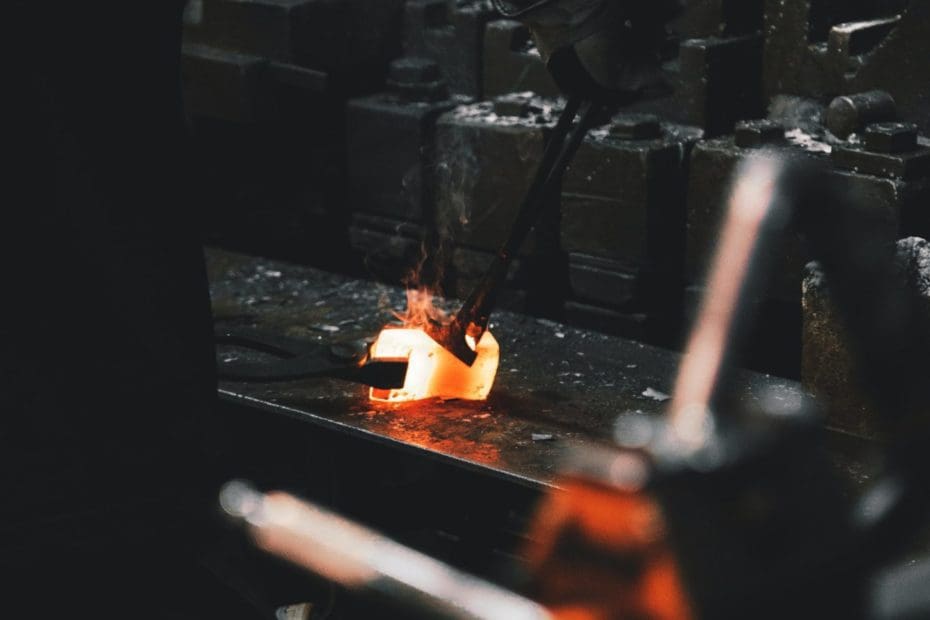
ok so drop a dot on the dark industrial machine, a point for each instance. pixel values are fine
(732, 140)
(570, 309)
(713, 511)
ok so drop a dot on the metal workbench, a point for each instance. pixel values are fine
(557, 386)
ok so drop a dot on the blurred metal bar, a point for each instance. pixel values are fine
(361, 559)
(755, 218)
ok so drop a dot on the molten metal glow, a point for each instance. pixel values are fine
(433, 372)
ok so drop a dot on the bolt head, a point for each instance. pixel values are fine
(891, 137)
(514, 105)
(418, 79)
(749, 134)
(847, 114)
(411, 70)
(627, 126)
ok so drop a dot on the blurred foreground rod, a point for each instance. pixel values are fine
(357, 558)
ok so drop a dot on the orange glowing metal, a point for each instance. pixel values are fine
(433, 372)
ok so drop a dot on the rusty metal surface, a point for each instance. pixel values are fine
(557, 386)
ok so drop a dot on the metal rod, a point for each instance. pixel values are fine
(361, 559)
(756, 217)
(472, 319)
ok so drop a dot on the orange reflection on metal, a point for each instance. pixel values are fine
(433, 372)
(599, 553)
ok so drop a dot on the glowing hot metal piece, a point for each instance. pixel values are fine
(432, 371)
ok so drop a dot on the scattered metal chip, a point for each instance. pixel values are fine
(656, 395)
(325, 328)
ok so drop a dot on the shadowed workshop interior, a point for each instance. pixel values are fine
(573, 309)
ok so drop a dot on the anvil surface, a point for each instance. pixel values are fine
(557, 386)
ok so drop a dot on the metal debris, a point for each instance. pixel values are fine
(656, 395)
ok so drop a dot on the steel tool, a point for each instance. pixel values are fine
(298, 359)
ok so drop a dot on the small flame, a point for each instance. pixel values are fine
(421, 309)
(432, 371)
